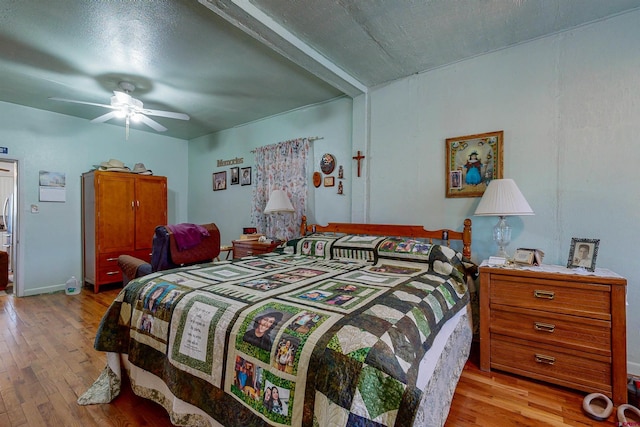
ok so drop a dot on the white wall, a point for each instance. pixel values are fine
(230, 209)
(50, 246)
(569, 106)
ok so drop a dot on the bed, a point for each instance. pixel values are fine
(350, 325)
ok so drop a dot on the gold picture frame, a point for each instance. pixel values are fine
(472, 162)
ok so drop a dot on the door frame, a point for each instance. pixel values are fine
(18, 289)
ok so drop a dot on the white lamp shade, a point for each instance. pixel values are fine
(503, 198)
(278, 202)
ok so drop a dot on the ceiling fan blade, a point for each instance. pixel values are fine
(149, 122)
(82, 102)
(105, 117)
(168, 114)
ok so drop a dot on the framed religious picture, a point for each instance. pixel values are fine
(219, 180)
(235, 176)
(582, 253)
(245, 176)
(472, 161)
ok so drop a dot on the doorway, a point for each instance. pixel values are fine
(9, 220)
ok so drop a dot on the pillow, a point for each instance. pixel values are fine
(405, 248)
(355, 247)
(316, 245)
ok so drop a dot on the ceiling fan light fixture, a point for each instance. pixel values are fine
(124, 106)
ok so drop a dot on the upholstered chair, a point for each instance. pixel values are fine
(166, 253)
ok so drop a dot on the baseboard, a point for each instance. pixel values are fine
(44, 290)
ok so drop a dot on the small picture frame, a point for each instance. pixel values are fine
(455, 180)
(245, 176)
(219, 181)
(329, 181)
(583, 253)
(235, 176)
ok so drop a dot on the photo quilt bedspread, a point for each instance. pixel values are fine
(290, 340)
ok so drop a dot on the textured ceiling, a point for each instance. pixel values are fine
(229, 62)
(377, 41)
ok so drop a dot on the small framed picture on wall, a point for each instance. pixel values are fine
(235, 176)
(245, 176)
(219, 180)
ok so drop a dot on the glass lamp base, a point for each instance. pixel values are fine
(502, 236)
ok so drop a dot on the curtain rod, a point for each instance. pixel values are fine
(311, 139)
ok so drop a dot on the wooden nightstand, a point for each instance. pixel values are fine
(564, 328)
(243, 248)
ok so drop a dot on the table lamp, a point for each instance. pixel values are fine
(278, 203)
(502, 198)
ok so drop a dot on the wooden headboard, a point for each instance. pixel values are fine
(443, 235)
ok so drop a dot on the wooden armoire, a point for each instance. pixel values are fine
(120, 212)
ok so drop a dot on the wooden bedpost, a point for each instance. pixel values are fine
(303, 226)
(466, 239)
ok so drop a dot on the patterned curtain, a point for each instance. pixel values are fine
(280, 166)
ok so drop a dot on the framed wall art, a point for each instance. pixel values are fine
(329, 181)
(235, 176)
(327, 163)
(245, 176)
(472, 162)
(583, 253)
(219, 180)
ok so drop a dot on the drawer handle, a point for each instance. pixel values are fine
(544, 294)
(541, 358)
(112, 259)
(111, 273)
(545, 327)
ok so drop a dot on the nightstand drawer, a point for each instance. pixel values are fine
(548, 363)
(572, 332)
(581, 299)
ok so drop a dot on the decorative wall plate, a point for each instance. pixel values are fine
(327, 163)
(317, 179)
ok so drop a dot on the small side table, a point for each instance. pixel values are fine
(226, 248)
(243, 248)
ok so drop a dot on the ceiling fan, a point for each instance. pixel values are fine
(131, 109)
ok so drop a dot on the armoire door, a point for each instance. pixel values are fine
(115, 210)
(151, 208)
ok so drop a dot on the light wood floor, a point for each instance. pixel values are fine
(47, 360)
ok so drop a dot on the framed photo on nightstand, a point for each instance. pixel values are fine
(583, 253)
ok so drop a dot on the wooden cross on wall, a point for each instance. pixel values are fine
(358, 158)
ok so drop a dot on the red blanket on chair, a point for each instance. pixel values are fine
(187, 235)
